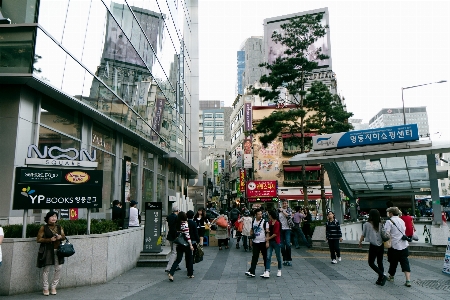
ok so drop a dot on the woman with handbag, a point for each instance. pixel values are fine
(372, 233)
(246, 222)
(222, 229)
(202, 224)
(186, 249)
(50, 237)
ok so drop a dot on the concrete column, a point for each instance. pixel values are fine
(336, 194)
(118, 168)
(140, 169)
(431, 161)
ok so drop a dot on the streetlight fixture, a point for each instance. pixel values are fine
(410, 87)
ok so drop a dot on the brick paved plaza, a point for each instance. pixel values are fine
(312, 276)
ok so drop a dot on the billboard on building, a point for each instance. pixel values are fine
(248, 156)
(158, 115)
(268, 159)
(242, 180)
(274, 50)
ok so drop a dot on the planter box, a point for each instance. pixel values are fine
(98, 259)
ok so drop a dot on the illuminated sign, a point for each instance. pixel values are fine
(262, 188)
(71, 157)
(242, 180)
(77, 177)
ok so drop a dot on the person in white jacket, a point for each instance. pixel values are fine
(134, 215)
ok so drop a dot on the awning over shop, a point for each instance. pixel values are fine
(299, 169)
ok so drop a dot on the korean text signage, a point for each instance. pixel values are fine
(248, 156)
(242, 180)
(152, 230)
(216, 167)
(158, 116)
(247, 116)
(446, 267)
(261, 188)
(56, 156)
(239, 157)
(57, 188)
(375, 136)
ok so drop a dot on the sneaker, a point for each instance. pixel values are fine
(279, 273)
(284, 263)
(249, 274)
(266, 274)
(383, 280)
(334, 261)
(390, 278)
(289, 263)
(339, 259)
(408, 283)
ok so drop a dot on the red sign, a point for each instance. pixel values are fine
(242, 180)
(260, 200)
(73, 214)
(262, 188)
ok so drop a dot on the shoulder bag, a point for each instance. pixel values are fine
(221, 222)
(385, 236)
(65, 249)
(181, 240)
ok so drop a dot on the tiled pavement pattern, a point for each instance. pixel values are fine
(312, 276)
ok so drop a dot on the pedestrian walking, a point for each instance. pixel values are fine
(258, 234)
(399, 245)
(285, 213)
(171, 236)
(222, 229)
(372, 234)
(202, 222)
(246, 220)
(273, 243)
(334, 236)
(297, 229)
(182, 226)
(307, 224)
(50, 237)
(193, 232)
(134, 214)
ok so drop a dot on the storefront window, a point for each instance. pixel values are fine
(60, 117)
(147, 160)
(134, 183)
(160, 189)
(106, 164)
(130, 151)
(147, 186)
(52, 138)
(103, 138)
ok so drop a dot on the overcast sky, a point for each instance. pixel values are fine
(377, 47)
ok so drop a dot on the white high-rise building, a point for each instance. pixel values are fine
(394, 116)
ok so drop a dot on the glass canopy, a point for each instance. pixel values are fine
(396, 173)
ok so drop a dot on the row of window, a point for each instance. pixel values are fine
(212, 124)
(213, 115)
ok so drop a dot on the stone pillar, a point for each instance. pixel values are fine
(434, 187)
(336, 194)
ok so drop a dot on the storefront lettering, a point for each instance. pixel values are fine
(49, 152)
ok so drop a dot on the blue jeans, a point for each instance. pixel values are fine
(286, 244)
(299, 232)
(273, 246)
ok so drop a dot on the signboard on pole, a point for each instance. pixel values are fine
(446, 268)
(152, 229)
(57, 188)
(375, 136)
(242, 180)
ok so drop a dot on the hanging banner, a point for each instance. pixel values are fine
(242, 180)
(248, 157)
(158, 115)
(247, 117)
(239, 157)
(216, 167)
(446, 268)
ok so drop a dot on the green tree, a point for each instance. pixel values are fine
(328, 115)
(287, 76)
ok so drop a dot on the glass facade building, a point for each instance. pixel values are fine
(118, 77)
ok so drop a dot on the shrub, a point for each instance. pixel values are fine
(71, 227)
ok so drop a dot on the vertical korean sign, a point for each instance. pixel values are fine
(248, 155)
(216, 167)
(152, 229)
(158, 116)
(242, 180)
(446, 267)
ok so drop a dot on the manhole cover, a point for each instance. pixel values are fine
(443, 285)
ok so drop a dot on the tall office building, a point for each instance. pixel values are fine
(394, 116)
(213, 123)
(116, 80)
(240, 72)
(249, 56)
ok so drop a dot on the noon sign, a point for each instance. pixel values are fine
(56, 188)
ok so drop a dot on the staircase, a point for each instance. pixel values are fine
(416, 249)
(154, 260)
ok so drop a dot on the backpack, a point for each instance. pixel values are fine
(264, 226)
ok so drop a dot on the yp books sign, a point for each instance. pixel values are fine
(57, 188)
(376, 136)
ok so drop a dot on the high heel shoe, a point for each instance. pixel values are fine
(170, 277)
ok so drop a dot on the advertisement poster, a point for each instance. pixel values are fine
(446, 268)
(57, 188)
(261, 189)
(267, 159)
(216, 167)
(248, 157)
(239, 157)
(152, 229)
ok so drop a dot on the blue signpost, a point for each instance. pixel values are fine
(375, 136)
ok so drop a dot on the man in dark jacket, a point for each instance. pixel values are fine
(117, 213)
(171, 236)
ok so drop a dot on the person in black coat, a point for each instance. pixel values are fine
(171, 236)
(117, 213)
(193, 232)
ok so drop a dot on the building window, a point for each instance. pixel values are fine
(219, 115)
(220, 123)
(60, 117)
(208, 124)
(208, 116)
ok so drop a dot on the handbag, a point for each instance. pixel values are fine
(387, 244)
(404, 237)
(207, 227)
(181, 240)
(198, 256)
(65, 249)
(221, 222)
(385, 236)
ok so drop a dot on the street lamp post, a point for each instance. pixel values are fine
(410, 87)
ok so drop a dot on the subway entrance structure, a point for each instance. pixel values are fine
(380, 164)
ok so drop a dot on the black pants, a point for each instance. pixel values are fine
(376, 252)
(223, 242)
(257, 248)
(334, 248)
(398, 256)
(187, 256)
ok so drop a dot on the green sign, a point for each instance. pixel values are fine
(216, 167)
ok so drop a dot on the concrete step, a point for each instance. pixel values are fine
(416, 249)
(152, 263)
(155, 260)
